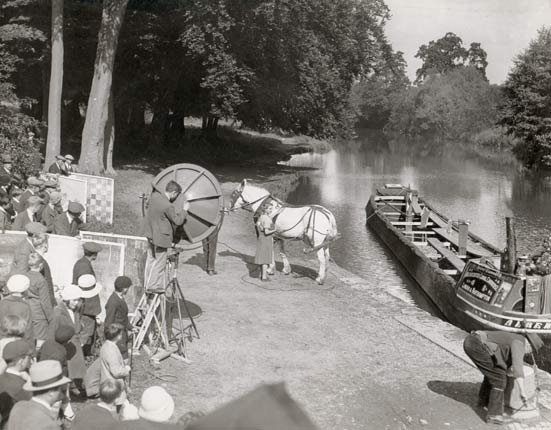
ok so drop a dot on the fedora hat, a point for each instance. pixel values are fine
(71, 292)
(18, 284)
(156, 405)
(45, 375)
(88, 286)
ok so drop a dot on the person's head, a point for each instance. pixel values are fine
(14, 326)
(6, 162)
(35, 228)
(34, 203)
(64, 333)
(113, 332)
(17, 355)
(40, 242)
(122, 284)
(109, 391)
(156, 405)
(72, 297)
(69, 159)
(75, 209)
(173, 190)
(91, 250)
(15, 192)
(55, 198)
(60, 159)
(35, 262)
(47, 381)
(18, 284)
(34, 184)
(189, 418)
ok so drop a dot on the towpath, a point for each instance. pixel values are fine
(353, 356)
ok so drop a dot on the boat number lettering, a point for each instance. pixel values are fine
(527, 325)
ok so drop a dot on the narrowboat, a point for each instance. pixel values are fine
(472, 282)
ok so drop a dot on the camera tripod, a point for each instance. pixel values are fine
(154, 317)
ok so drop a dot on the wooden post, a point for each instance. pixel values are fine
(463, 228)
(510, 255)
(409, 212)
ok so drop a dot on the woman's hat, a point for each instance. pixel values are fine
(535, 341)
(45, 375)
(88, 286)
(156, 405)
(71, 292)
(18, 284)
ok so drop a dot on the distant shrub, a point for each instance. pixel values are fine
(495, 138)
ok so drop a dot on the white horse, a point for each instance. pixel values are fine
(315, 225)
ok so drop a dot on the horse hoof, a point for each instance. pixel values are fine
(319, 281)
(286, 272)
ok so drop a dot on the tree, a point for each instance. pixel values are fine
(53, 143)
(447, 54)
(93, 152)
(526, 111)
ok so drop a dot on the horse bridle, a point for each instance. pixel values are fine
(246, 205)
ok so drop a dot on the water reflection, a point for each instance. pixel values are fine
(457, 185)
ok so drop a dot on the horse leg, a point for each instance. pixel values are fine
(322, 270)
(283, 255)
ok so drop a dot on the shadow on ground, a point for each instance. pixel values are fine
(463, 392)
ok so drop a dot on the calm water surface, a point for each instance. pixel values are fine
(456, 185)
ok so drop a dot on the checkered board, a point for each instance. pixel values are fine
(74, 190)
(99, 197)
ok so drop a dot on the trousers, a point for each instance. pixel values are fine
(495, 378)
(209, 250)
(155, 265)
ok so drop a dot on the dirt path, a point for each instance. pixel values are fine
(339, 347)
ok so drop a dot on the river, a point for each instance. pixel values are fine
(459, 186)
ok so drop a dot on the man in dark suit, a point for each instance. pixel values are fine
(51, 211)
(17, 355)
(116, 311)
(14, 304)
(69, 223)
(30, 214)
(48, 386)
(58, 167)
(160, 222)
(5, 216)
(101, 415)
(33, 188)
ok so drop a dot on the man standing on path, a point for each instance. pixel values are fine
(160, 222)
(493, 352)
(209, 248)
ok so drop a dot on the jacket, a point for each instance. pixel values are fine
(57, 169)
(92, 305)
(15, 305)
(63, 227)
(48, 217)
(38, 297)
(11, 391)
(116, 311)
(93, 417)
(32, 415)
(161, 220)
(111, 363)
(75, 364)
(21, 220)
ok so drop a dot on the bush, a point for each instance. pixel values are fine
(495, 138)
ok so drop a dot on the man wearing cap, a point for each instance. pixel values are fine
(58, 166)
(89, 312)
(67, 313)
(69, 166)
(33, 188)
(69, 223)
(17, 355)
(34, 204)
(51, 211)
(493, 352)
(160, 222)
(116, 311)
(156, 409)
(47, 386)
(14, 304)
(38, 298)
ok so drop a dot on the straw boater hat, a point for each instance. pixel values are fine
(156, 405)
(88, 286)
(18, 284)
(45, 375)
(71, 292)
(69, 157)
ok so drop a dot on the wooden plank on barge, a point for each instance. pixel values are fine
(472, 248)
(454, 260)
(413, 223)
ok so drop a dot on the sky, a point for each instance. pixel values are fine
(503, 27)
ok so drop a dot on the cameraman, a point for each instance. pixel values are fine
(161, 221)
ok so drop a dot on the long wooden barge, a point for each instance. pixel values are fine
(462, 274)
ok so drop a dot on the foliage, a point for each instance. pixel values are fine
(447, 54)
(526, 111)
(455, 105)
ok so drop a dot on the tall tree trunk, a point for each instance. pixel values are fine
(53, 143)
(110, 137)
(93, 134)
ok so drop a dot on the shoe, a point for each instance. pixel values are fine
(498, 419)
(212, 272)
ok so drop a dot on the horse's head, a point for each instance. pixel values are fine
(237, 198)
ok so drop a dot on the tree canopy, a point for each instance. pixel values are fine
(526, 111)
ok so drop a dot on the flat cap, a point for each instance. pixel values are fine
(60, 157)
(69, 157)
(75, 208)
(91, 247)
(35, 228)
(34, 181)
(16, 349)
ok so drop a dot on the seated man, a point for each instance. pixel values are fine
(69, 223)
(59, 167)
(69, 166)
(159, 225)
